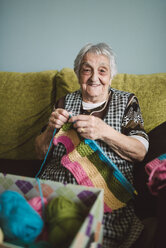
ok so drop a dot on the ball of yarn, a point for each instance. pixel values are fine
(36, 204)
(18, 220)
(64, 218)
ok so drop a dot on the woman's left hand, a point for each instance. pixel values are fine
(90, 127)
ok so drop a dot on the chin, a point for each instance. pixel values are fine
(94, 92)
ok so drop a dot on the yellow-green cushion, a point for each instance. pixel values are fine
(66, 81)
(25, 105)
(150, 90)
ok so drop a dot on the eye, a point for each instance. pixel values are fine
(102, 71)
(86, 70)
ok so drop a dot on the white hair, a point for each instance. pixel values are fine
(100, 48)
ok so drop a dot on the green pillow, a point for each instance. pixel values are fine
(150, 90)
(66, 82)
(26, 103)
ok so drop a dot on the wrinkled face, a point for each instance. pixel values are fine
(95, 77)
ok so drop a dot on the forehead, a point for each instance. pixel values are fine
(93, 59)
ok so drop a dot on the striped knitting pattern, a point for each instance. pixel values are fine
(89, 170)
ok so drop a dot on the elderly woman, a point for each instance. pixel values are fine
(110, 117)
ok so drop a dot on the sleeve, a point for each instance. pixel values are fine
(132, 123)
(60, 103)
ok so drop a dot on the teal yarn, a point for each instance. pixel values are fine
(64, 218)
(18, 220)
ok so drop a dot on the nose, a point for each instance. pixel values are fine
(94, 76)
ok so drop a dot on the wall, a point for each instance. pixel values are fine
(39, 35)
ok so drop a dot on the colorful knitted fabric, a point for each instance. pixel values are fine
(156, 169)
(91, 167)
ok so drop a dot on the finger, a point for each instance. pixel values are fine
(62, 112)
(60, 118)
(55, 123)
(74, 119)
(61, 115)
(82, 130)
(80, 124)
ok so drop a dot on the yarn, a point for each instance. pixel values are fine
(45, 158)
(156, 169)
(36, 204)
(64, 218)
(18, 220)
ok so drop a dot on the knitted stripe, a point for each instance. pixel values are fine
(97, 180)
(73, 167)
(113, 184)
(70, 135)
(64, 140)
(154, 163)
(151, 165)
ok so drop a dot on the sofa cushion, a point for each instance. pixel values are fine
(66, 82)
(26, 102)
(150, 90)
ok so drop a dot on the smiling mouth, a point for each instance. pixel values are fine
(93, 85)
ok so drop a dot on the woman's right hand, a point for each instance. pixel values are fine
(58, 118)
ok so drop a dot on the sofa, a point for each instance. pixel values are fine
(27, 99)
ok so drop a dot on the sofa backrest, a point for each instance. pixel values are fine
(25, 106)
(150, 90)
(26, 101)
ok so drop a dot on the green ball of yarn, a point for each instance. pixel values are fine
(64, 218)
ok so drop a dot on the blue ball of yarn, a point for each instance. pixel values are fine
(18, 220)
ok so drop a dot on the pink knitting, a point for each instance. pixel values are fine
(156, 169)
